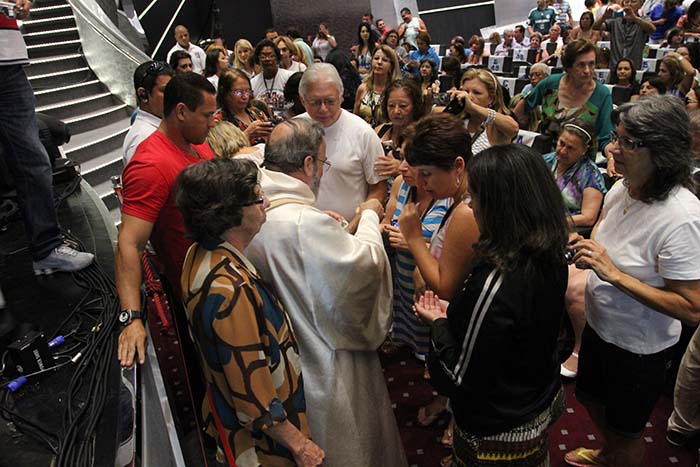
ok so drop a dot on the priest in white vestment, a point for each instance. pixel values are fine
(336, 288)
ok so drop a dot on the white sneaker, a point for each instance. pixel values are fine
(63, 259)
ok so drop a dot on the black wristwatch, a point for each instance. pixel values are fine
(127, 316)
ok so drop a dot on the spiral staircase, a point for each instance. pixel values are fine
(66, 87)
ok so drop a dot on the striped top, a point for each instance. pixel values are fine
(13, 51)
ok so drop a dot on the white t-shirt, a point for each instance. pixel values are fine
(271, 91)
(199, 57)
(652, 242)
(352, 147)
(144, 125)
(214, 80)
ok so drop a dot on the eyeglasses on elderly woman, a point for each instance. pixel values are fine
(625, 142)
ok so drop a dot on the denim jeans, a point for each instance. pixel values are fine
(28, 161)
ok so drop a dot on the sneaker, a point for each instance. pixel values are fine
(63, 258)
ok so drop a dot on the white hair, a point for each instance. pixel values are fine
(318, 73)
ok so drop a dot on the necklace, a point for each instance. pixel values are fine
(629, 201)
(271, 87)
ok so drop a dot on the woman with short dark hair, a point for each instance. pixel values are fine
(494, 350)
(245, 339)
(644, 253)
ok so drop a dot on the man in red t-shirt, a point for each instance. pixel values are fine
(148, 210)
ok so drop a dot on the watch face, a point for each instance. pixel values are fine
(124, 317)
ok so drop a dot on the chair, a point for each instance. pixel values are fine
(520, 83)
(602, 75)
(621, 95)
(649, 64)
(551, 47)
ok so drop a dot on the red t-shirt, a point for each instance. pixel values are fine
(147, 190)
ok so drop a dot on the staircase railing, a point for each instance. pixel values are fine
(112, 57)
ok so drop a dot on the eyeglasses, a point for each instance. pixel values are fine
(243, 92)
(330, 102)
(625, 142)
(326, 164)
(259, 200)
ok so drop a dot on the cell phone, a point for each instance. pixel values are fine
(388, 146)
(619, 14)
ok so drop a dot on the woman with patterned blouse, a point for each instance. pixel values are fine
(254, 406)
(234, 98)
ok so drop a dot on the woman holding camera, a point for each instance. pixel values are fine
(494, 350)
(644, 253)
(234, 99)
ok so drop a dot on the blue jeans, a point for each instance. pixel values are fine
(28, 161)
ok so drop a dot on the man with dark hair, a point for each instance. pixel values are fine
(26, 157)
(182, 42)
(369, 19)
(521, 42)
(382, 29)
(150, 80)
(409, 29)
(268, 86)
(181, 62)
(337, 290)
(148, 210)
(628, 33)
(271, 34)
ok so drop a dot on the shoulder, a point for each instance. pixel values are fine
(550, 158)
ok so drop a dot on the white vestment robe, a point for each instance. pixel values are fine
(336, 288)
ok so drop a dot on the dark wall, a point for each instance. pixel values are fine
(447, 24)
(237, 19)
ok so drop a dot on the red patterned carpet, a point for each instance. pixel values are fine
(409, 391)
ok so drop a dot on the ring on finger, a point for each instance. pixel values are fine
(589, 253)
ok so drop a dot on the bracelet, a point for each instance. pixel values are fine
(490, 118)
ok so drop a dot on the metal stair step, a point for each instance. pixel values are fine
(106, 193)
(52, 80)
(99, 169)
(97, 119)
(75, 107)
(41, 12)
(45, 24)
(52, 35)
(84, 146)
(43, 65)
(53, 48)
(66, 92)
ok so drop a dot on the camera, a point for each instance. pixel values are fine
(388, 146)
(455, 107)
(8, 9)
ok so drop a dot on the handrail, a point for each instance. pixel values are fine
(112, 57)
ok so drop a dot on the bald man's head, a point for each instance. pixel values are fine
(182, 36)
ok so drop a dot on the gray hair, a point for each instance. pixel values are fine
(287, 153)
(508, 31)
(541, 67)
(318, 73)
(661, 123)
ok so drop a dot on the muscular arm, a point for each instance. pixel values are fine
(133, 235)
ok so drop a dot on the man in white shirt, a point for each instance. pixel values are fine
(519, 39)
(352, 146)
(182, 42)
(507, 45)
(554, 38)
(268, 86)
(150, 79)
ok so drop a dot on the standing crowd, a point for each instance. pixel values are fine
(313, 206)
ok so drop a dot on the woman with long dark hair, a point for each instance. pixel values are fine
(494, 350)
(366, 43)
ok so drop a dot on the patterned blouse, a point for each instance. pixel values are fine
(254, 114)
(248, 353)
(584, 174)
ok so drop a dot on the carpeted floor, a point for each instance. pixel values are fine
(409, 391)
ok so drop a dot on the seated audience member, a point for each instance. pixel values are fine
(452, 71)
(182, 42)
(664, 16)
(677, 75)
(148, 209)
(585, 30)
(536, 44)
(529, 121)
(337, 289)
(538, 72)
(602, 58)
(234, 100)
(424, 51)
(368, 101)
(226, 140)
(651, 86)
(216, 64)
(150, 79)
(429, 82)
(494, 39)
(554, 38)
(353, 146)
(348, 74)
(644, 281)
(487, 118)
(406, 329)
(259, 393)
(367, 41)
(180, 61)
(243, 57)
(291, 57)
(508, 44)
(674, 38)
(403, 105)
(292, 97)
(497, 359)
(625, 75)
(392, 40)
(268, 85)
(457, 51)
(477, 45)
(628, 33)
(690, 22)
(573, 94)
(521, 42)
(324, 41)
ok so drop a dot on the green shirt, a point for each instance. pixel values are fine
(542, 20)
